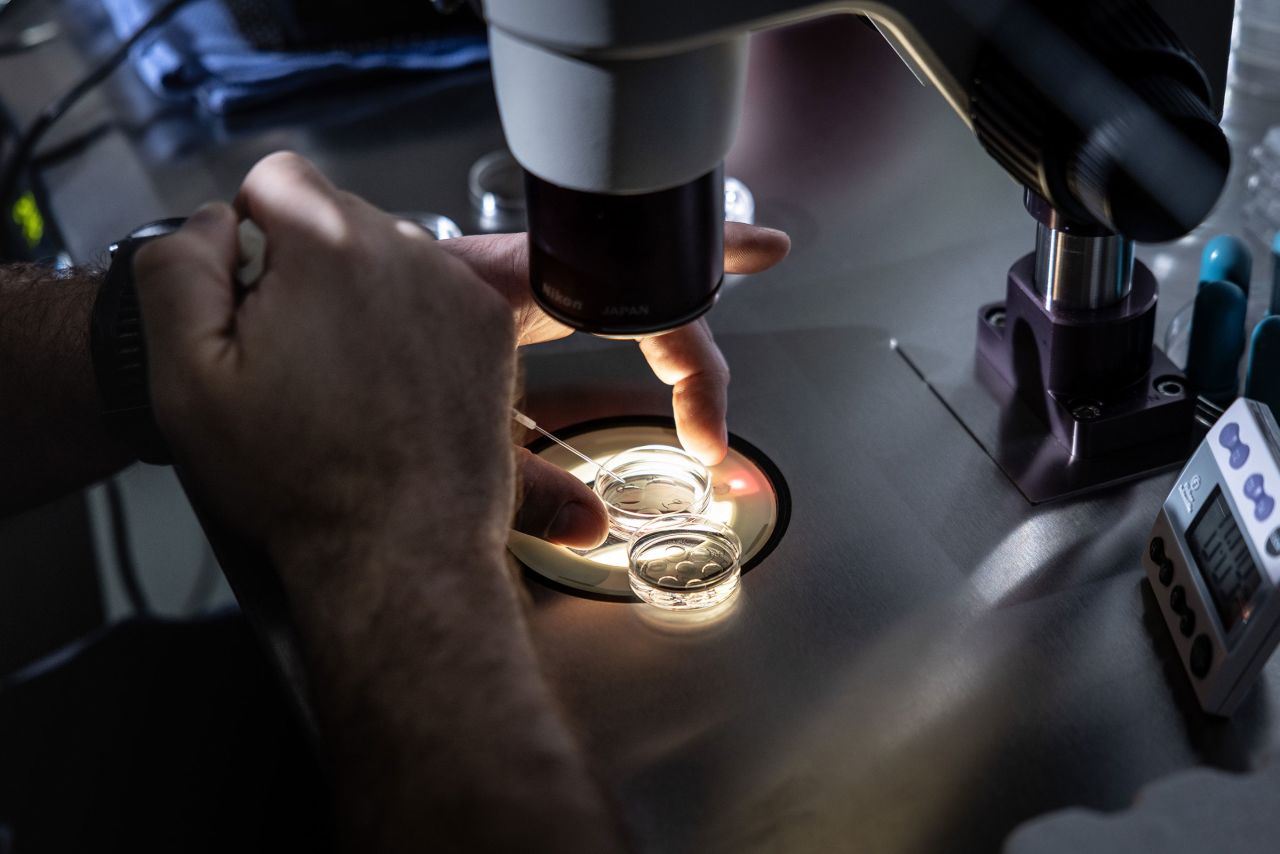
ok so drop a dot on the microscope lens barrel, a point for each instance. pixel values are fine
(1127, 140)
(1082, 271)
(626, 263)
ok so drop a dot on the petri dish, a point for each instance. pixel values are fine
(496, 186)
(748, 493)
(653, 481)
(685, 561)
(437, 225)
(739, 202)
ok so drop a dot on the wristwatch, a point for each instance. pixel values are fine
(119, 352)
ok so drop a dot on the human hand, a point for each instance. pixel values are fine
(362, 388)
(554, 504)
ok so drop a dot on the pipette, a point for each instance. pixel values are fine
(527, 422)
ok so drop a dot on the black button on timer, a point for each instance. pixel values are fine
(1201, 656)
(1187, 625)
(1178, 599)
(1166, 572)
(1156, 550)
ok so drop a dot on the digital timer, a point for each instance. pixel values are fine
(1213, 558)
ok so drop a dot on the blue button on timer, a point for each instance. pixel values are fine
(1255, 491)
(1229, 438)
(1263, 508)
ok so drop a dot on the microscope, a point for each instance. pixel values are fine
(621, 114)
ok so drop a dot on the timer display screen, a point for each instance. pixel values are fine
(1222, 554)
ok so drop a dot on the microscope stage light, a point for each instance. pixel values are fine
(747, 494)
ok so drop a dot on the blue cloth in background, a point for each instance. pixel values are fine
(202, 54)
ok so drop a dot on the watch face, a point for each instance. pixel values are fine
(158, 228)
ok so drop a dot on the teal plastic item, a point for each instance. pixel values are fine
(1262, 380)
(1217, 341)
(1275, 275)
(1226, 259)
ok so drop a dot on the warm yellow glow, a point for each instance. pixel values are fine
(741, 498)
(584, 472)
(610, 554)
(722, 511)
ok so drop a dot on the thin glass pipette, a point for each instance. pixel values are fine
(527, 422)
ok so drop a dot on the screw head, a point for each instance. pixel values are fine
(1086, 410)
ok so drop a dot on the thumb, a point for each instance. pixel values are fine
(554, 505)
(186, 288)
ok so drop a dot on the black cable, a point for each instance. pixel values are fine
(57, 108)
(125, 564)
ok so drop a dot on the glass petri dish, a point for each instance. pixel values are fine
(437, 225)
(654, 481)
(685, 561)
(739, 202)
(496, 186)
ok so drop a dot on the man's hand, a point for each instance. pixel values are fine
(554, 504)
(352, 413)
(366, 374)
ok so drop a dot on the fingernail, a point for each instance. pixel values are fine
(710, 457)
(708, 451)
(575, 522)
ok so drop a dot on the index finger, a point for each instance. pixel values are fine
(285, 192)
(689, 360)
(753, 248)
(502, 260)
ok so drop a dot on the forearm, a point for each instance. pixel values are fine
(52, 438)
(444, 734)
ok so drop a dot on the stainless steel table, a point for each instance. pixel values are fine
(926, 660)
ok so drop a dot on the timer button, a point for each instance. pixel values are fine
(1229, 438)
(1253, 487)
(1201, 656)
(1263, 508)
(1166, 572)
(1255, 491)
(1230, 435)
(1178, 599)
(1187, 625)
(1273, 543)
(1156, 549)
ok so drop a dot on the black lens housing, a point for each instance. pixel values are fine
(626, 264)
(1099, 108)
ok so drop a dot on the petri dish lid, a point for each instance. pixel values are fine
(496, 185)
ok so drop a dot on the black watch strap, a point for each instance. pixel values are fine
(119, 350)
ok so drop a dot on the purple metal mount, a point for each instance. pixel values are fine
(1115, 405)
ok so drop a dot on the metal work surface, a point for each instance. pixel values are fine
(925, 660)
